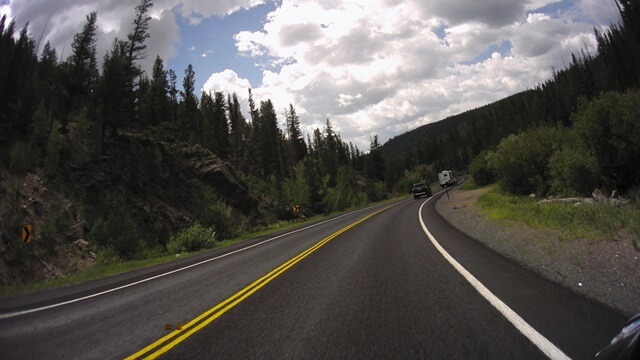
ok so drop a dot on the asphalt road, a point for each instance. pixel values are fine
(344, 288)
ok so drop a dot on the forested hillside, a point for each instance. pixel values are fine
(453, 143)
(110, 163)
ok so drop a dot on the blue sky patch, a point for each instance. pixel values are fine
(209, 46)
(504, 49)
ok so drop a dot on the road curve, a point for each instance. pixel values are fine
(356, 286)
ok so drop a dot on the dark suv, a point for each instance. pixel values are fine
(420, 189)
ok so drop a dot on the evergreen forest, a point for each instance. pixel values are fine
(576, 132)
(139, 166)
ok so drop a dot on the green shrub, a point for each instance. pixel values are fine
(481, 170)
(470, 184)
(297, 189)
(213, 212)
(377, 191)
(345, 194)
(194, 238)
(610, 128)
(118, 232)
(573, 172)
(108, 255)
(521, 161)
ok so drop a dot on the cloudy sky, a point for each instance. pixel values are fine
(370, 66)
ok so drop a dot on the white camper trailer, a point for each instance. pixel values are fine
(446, 178)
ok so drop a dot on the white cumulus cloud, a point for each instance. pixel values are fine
(229, 82)
(384, 67)
(59, 20)
(370, 66)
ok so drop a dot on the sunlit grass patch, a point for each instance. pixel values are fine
(592, 222)
(469, 185)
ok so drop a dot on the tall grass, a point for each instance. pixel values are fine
(470, 184)
(592, 222)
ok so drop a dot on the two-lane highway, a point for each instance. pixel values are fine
(367, 284)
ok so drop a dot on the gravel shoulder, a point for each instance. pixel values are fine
(606, 271)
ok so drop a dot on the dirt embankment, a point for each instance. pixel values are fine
(607, 271)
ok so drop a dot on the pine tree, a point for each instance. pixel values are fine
(189, 117)
(237, 128)
(50, 84)
(143, 103)
(139, 34)
(207, 109)
(7, 48)
(374, 166)
(160, 101)
(253, 146)
(215, 124)
(19, 87)
(297, 147)
(329, 157)
(220, 125)
(83, 66)
(117, 89)
(268, 140)
(173, 96)
(52, 91)
(255, 114)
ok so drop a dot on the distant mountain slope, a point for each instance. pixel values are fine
(482, 118)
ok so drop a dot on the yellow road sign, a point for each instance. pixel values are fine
(26, 234)
(296, 208)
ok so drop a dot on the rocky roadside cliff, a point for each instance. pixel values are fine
(158, 184)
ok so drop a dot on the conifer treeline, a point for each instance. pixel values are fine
(455, 141)
(44, 99)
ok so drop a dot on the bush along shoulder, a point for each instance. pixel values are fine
(600, 149)
(194, 238)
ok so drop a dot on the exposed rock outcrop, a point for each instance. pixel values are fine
(159, 184)
(597, 197)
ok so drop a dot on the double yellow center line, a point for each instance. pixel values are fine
(159, 347)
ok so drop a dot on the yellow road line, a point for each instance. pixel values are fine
(238, 297)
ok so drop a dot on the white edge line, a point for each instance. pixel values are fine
(546, 346)
(29, 311)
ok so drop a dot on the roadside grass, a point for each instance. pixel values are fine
(592, 222)
(94, 272)
(469, 184)
(98, 271)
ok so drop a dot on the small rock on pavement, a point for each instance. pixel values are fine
(579, 284)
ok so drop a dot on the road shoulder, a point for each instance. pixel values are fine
(606, 271)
